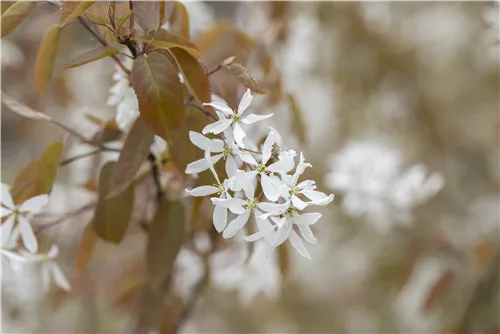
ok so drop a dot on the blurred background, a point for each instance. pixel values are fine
(396, 105)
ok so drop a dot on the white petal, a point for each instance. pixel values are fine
(298, 245)
(5, 212)
(220, 218)
(217, 127)
(12, 255)
(298, 203)
(306, 218)
(239, 134)
(236, 224)
(281, 166)
(59, 277)
(211, 165)
(218, 99)
(233, 204)
(272, 209)
(307, 233)
(53, 252)
(202, 164)
(219, 106)
(317, 197)
(282, 234)
(300, 169)
(252, 118)
(272, 138)
(45, 273)
(269, 188)
(247, 157)
(254, 237)
(245, 101)
(7, 197)
(34, 204)
(202, 191)
(214, 145)
(307, 185)
(27, 234)
(231, 166)
(265, 227)
(279, 221)
(7, 229)
(249, 189)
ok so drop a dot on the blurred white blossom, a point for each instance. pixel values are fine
(49, 269)
(371, 177)
(17, 223)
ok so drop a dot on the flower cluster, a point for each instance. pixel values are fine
(17, 226)
(277, 208)
(370, 176)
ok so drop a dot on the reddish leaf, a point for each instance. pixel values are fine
(166, 235)
(179, 21)
(112, 215)
(182, 151)
(108, 132)
(70, 10)
(46, 57)
(16, 14)
(86, 248)
(147, 15)
(167, 40)
(245, 78)
(88, 57)
(134, 151)
(159, 92)
(438, 290)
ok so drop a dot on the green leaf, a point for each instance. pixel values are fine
(182, 151)
(166, 235)
(299, 125)
(16, 14)
(167, 40)
(23, 110)
(47, 169)
(88, 57)
(179, 21)
(112, 215)
(70, 10)
(159, 92)
(134, 152)
(46, 57)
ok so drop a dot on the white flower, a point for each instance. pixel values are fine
(306, 188)
(220, 213)
(49, 268)
(122, 95)
(20, 215)
(228, 118)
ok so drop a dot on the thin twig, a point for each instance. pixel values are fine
(194, 105)
(88, 154)
(131, 22)
(103, 43)
(209, 73)
(67, 216)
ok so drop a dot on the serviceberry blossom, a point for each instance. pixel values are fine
(49, 268)
(229, 118)
(17, 223)
(276, 209)
(371, 177)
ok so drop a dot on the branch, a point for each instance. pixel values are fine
(66, 216)
(88, 154)
(156, 177)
